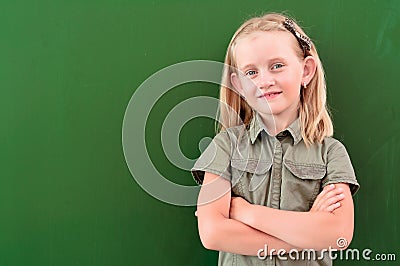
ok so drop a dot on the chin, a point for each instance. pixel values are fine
(270, 111)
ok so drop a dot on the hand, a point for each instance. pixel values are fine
(328, 200)
(239, 208)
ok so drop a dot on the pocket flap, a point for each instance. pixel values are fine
(306, 170)
(252, 166)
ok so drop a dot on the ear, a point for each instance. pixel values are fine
(235, 81)
(310, 66)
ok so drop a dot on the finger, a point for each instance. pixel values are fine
(195, 213)
(331, 191)
(325, 191)
(335, 199)
(329, 187)
(326, 198)
(332, 194)
(329, 195)
(333, 207)
(331, 201)
(319, 200)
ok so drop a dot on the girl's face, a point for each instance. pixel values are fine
(271, 73)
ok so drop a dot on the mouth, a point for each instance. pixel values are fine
(270, 95)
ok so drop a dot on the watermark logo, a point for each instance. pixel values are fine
(341, 242)
(332, 253)
(136, 118)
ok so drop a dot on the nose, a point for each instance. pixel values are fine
(265, 80)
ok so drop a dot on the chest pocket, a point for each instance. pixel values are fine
(302, 181)
(250, 178)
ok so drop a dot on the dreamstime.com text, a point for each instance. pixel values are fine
(334, 254)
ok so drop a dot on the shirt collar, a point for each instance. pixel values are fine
(256, 126)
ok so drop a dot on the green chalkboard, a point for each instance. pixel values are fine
(68, 71)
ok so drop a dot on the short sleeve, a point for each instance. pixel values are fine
(339, 168)
(215, 159)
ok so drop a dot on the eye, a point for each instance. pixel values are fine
(250, 73)
(277, 66)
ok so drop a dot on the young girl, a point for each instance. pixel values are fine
(274, 181)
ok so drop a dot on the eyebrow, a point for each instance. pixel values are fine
(247, 66)
(278, 58)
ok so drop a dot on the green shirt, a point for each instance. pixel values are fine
(276, 171)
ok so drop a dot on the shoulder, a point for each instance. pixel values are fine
(217, 156)
(331, 141)
(237, 131)
(336, 153)
(339, 167)
(234, 135)
(317, 153)
(332, 146)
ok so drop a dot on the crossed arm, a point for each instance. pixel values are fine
(236, 226)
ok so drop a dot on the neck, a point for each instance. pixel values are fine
(278, 123)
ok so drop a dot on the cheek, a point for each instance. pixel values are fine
(248, 85)
(293, 86)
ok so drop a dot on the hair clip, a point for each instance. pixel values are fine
(304, 41)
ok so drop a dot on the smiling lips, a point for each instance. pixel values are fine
(270, 95)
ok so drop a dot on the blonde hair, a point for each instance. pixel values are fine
(315, 121)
